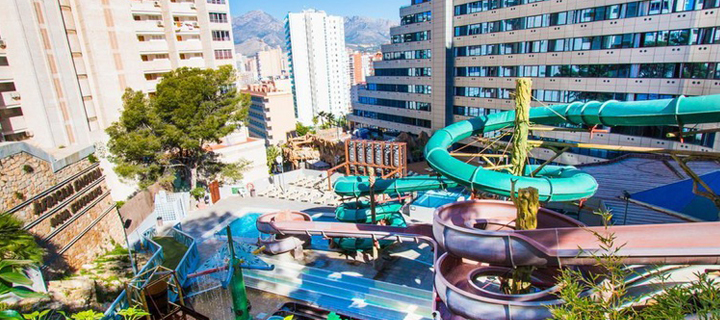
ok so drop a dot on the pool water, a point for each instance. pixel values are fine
(437, 198)
(245, 229)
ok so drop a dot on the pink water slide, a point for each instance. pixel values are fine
(476, 239)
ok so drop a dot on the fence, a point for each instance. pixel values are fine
(187, 264)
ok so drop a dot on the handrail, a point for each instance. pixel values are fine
(187, 264)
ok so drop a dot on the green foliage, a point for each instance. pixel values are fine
(28, 169)
(14, 281)
(302, 130)
(133, 313)
(87, 315)
(170, 131)
(92, 158)
(333, 316)
(603, 295)
(16, 243)
(19, 195)
(197, 193)
(119, 204)
(701, 298)
(272, 152)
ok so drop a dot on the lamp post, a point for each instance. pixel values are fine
(279, 162)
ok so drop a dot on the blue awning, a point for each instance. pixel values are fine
(680, 198)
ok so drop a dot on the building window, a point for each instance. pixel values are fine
(221, 35)
(3, 61)
(218, 17)
(216, 1)
(223, 54)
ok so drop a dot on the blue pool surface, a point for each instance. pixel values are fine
(244, 229)
(437, 198)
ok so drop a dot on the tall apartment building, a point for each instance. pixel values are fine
(451, 60)
(270, 63)
(64, 64)
(318, 64)
(271, 115)
(361, 66)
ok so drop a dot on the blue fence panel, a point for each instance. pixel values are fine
(188, 264)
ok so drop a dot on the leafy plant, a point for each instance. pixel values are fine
(603, 294)
(28, 169)
(14, 281)
(87, 315)
(132, 313)
(17, 243)
(92, 158)
(271, 153)
(197, 193)
(302, 130)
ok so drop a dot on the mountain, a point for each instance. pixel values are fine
(365, 31)
(256, 30)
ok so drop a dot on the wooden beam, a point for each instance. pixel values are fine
(545, 144)
(504, 166)
(557, 154)
(557, 129)
(690, 133)
(488, 155)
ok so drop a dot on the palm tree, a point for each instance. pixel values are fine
(16, 243)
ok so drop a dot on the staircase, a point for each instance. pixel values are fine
(354, 296)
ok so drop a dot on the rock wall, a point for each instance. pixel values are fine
(65, 203)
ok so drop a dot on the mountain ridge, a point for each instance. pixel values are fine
(257, 30)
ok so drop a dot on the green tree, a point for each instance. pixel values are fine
(272, 152)
(171, 131)
(17, 243)
(301, 129)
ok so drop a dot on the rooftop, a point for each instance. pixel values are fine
(635, 174)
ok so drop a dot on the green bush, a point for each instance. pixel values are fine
(197, 193)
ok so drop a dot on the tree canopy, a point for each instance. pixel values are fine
(171, 130)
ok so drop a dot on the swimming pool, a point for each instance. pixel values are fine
(437, 198)
(245, 229)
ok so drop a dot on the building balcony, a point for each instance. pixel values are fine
(13, 125)
(10, 99)
(153, 46)
(150, 85)
(145, 6)
(183, 8)
(189, 46)
(187, 27)
(193, 63)
(157, 65)
(150, 26)
(6, 73)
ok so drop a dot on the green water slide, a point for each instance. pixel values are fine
(561, 183)
(358, 186)
(359, 211)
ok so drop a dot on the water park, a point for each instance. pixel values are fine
(486, 235)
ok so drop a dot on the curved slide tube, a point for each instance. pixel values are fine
(484, 231)
(358, 186)
(481, 231)
(360, 212)
(278, 243)
(560, 183)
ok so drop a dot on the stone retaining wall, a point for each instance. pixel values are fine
(68, 207)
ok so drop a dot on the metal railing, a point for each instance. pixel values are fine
(187, 264)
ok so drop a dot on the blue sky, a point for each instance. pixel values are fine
(387, 9)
